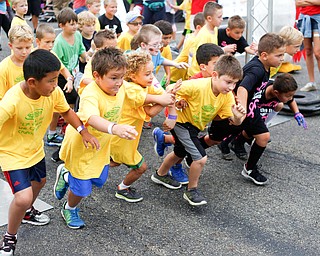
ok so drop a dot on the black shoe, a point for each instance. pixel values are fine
(55, 156)
(129, 194)
(194, 197)
(0, 47)
(254, 175)
(166, 181)
(225, 151)
(8, 245)
(239, 150)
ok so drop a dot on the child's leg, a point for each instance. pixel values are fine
(195, 172)
(135, 174)
(257, 149)
(169, 161)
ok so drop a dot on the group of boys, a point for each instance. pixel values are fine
(29, 96)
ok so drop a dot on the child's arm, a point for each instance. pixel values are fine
(252, 48)
(297, 115)
(84, 57)
(239, 113)
(66, 74)
(179, 65)
(71, 117)
(168, 75)
(123, 131)
(171, 119)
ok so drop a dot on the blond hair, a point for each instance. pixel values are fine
(42, 29)
(15, 2)
(20, 33)
(147, 32)
(106, 2)
(136, 61)
(291, 35)
(92, 1)
(86, 18)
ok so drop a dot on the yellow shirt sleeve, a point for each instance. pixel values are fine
(87, 74)
(124, 41)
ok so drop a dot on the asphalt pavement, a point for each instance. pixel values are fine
(240, 218)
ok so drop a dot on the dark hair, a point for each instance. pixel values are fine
(284, 83)
(270, 42)
(228, 65)
(210, 8)
(39, 63)
(236, 22)
(199, 20)
(206, 51)
(67, 15)
(104, 34)
(164, 26)
(107, 59)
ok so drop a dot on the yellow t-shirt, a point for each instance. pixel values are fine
(18, 21)
(23, 123)
(10, 74)
(166, 53)
(184, 56)
(126, 151)
(203, 105)
(97, 25)
(186, 6)
(87, 163)
(204, 36)
(124, 41)
(87, 74)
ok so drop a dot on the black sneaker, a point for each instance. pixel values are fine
(34, 217)
(225, 151)
(129, 195)
(55, 156)
(194, 197)
(166, 181)
(254, 175)
(8, 245)
(239, 150)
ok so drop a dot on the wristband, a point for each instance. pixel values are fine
(172, 117)
(70, 78)
(80, 128)
(110, 128)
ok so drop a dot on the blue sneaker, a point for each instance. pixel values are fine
(54, 140)
(72, 218)
(179, 174)
(158, 136)
(60, 186)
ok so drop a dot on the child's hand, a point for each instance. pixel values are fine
(230, 48)
(125, 131)
(166, 99)
(175, 88)
(300, 120)
(68, 87)
(253, 46)
(238, 111)
(89, 138)
(181, 104)
(183, 65)
(168, 124)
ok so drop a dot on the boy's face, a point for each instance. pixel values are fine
(144, 76)
(46, 85)
(20, 49)
(166, 39)
(21, 8)
(135, 25)
(216, 19)
(275, 58)
(208, 69)
(235, 33)
(46, 42)
(292, 49)
(111, 82)
(94, 8)
(111, 8)
(223, 84)
(153, 46)
(88, 30)
(69, 27)
(285, 96)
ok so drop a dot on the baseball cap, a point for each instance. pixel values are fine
(132, 15)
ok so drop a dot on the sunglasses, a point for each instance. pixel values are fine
(136, 23)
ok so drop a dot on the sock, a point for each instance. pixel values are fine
(203, 143)
(66, 177)
(68, 207)
(8, 234)
(254, 156)
(51, 132)
(122, 186)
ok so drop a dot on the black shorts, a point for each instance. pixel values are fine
(219, 130)
(186, 32)
(254, 126)
(70, 97)
(34, 7)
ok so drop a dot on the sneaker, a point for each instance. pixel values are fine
(54, 140)
(225, 151)
(254, 175)
(129, 194)
(188, 161)
(147, 125)
(55, 156)
(174, 50)
(8, 245)
(194, 197)
(34, 217)
(311, 86)
(72, 218)
(160, 145)
(60, 186)
(239, 150)
(166, 181)
(179, 174)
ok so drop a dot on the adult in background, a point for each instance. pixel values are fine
(34, 8)
(5, 23)
(79, 6)
(153, 11)
(58, 5)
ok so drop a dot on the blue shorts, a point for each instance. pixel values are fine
(83, 188)
(21, 179)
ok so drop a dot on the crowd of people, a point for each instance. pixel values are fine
(102, 81)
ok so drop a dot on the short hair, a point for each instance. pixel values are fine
(210, 8)
(39, 63)
(147, 32)
(199, 20)
(107, 59)
(106, 2)
(136, 61)
(205, 52)
(134, 45)
(102, 35)
(164, 26)
(15, 2)
(92, 1)
(236, 22)
(20, 33)
(86, 18)
(66, 15)
(228, 65)
(285, 83)
(42, 29)
(291, 35)
(270, 42)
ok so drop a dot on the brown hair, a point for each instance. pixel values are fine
(136, 61)
(228, 65)
(102, 35)
(236, 22)
(210, 8)
(270, 42)
(42, 29)
(67, 15)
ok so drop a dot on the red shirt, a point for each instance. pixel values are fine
(196, 76)
(197, 6)
(310, 10)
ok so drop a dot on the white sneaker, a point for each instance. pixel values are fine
(311, 86)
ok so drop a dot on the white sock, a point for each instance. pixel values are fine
(51, 132)
(7, 234)
(68, 207)
(66, 177)
(122, 186)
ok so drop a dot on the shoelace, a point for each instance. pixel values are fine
(9, 243)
